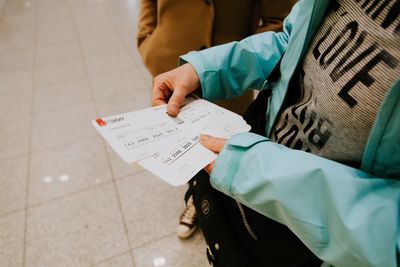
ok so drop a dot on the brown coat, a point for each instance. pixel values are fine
(170, 28)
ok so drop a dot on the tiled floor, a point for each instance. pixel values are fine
(66, 199)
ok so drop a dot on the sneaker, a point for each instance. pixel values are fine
(188, 221)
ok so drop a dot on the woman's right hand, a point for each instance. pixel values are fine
(173, 86)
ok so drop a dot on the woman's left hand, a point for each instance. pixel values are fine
(214, 144)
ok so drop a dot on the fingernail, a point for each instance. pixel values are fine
(173, 109)
(204, 137)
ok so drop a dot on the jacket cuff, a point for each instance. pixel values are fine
(246, 140)
(206, 74)
(228, 161)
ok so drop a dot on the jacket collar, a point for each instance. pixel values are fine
(381, 154)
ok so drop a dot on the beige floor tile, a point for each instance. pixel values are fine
(79, 2)
(116, 84)
(101, 44)
(11, 41)
(17, 24)
(19, 8)
(111, 62)
(94, 26)
(63, 127)
(123, 260)
(17, 81)
(44, 24)
(126, 23)
(11, 24)
(12, 240)
(50, 33)
(89, 10)
(13, 181)
(15, 106)
(61, 96)
(123, 9)
(123, 104)
(79, 230)
(60, 71)
(14, 138)
(46, 53)
(151, 207)
(119, 167)
(120, 7)
(55, 10)
(146, 74)
(67, 169)
(173, 252)
(59, 8)
(18, 59)
(134, 52)
(120, 93)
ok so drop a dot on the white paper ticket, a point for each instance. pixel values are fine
(168, 146)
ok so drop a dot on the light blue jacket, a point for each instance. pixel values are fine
(346, 216)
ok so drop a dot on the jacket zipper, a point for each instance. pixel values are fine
(245, 222)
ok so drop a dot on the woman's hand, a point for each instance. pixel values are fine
(214, 144)
(173, 86)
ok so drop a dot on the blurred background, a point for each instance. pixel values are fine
(66, 199)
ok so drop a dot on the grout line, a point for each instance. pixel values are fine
(62, 80)
(14, 157)
(28, 176)
(69, 194)
(124, 221)
(192, 238)
(145, 244)
(114, 181)
(66, 144)
(27, 207)
(118, 198)
(111, 258)
(59, 109)
(11, 212)
(92, 187)
(172, 234)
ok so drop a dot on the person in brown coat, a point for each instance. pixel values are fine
(170, 28)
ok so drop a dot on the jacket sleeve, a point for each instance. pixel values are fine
(224, 70)
(272, 13)
(147, 19)
(347, 217)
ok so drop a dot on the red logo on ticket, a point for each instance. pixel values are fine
(100, 122)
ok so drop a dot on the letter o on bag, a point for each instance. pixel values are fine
(205, 207)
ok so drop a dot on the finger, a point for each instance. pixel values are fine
(158, 102)
(176, 100)
(160, 94)
(209, 167)
(213, 143)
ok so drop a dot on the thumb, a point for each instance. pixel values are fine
(209, 167)
(176, 100)
(215, 144)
